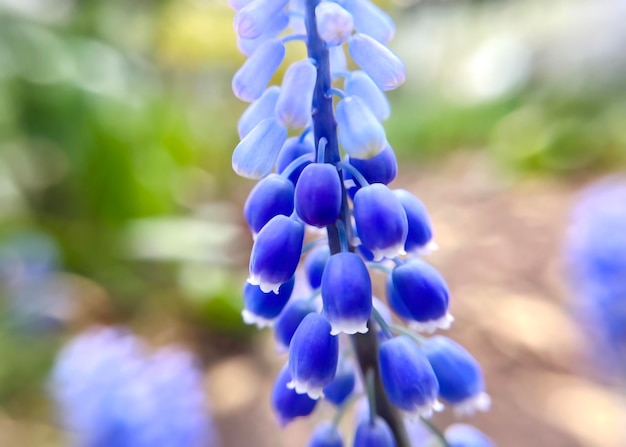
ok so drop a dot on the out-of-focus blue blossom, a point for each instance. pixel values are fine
(288, 404)
(314, 265)
(259, 110)
(255, 155)
(376, 434)
(334, 24)
(294, 148)
(337, 391)
(361, 85)
(252, 20)
(370, 19)
(293, 108)
(463, 435)
(596, 257)
(326, 435)
(112, 392)
(381, 64)
(276, 25)
(251, 79)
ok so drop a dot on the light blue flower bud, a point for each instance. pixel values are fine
(459, 375)
(381, 64)
(381, 222)
(251, 79)
(254, 18)
(407, 377)
(334, 24)
(464, 435)
(291, 150)
(377, 434)
(424, 293)
(370, 19)
(263, 308)
(289, 405)
(314, 265)
(420, 232)
(259, 110)
(313, 356)
(293, 108)
(289, 320)
(255, 155)
(361, 85)
(360, 133)
(337, 58)
(347, 293)
(270, 197)
(318, 195)
(326, 435)
(276, 253)
(276, 26)
(337, 391)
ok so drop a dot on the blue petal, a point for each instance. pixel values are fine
(293, 108)
(347, 293)
(338, 62)
(334, 24)
(291, 150)
(381, 64)
(251, 79)
(255, 155)
(341, 387)
(314, 265)
(270, 197)
(318, 195)
(259, 110)
(360, 133)
(326, 435)
(407, 376)
(463, 435)
(377, 434)
(370, 19)
(379, 169)
(289, 320)
(288, 404)
(255, 17)
(276, 253)
(420, 230)
(361, 85)
(277, 24)
(266, 306)
(313, 356)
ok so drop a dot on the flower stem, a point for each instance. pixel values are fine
(325, 126)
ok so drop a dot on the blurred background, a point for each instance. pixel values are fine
(118, 204)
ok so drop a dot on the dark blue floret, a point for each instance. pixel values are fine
(291, 150)
(318, 195)
(289, 320)
(420, 230)
(377, 434)
(341, 387)
(260, 307)
(463, 435)
(314, 265)
(326, 435)
(288, 404)
(270, 197)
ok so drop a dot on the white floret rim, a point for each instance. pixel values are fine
(388, 252)
(252, 318)
(304, 387)
(468, 407)
(431, 326)
(266, 286)
(349, 327)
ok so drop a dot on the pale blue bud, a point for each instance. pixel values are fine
(361, 85)
(278, 23)
(251, 79)
(259, 110)
(334, 24)
(361, 135)
(255, 155)
(381, 64)
(370, 19)
(252, 20)
(337, 58)
(293, 108)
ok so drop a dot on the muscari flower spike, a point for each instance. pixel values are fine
(332, 176)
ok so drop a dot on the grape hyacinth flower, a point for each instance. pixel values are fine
(323, 203)
(112, 392)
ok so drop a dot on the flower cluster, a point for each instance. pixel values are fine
(318, 147)
(596, 254)
(110, 392)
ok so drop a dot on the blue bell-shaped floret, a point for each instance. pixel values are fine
(293, 108)
(395, 301)
(314, 265)
(459, 375)
(289, 320)
(255, 155)
(377, 434)
(318, 195)
(276, 253)
(252, 20)
(262, 308)
(270, 197)
(347, 293)
(464, 435)
(259, 110)
(370, 19)
(379, 169)
(420, 233)
(294, 148)
(326, 435)
(337, 58)
(313, 356)
(361, 85)
(334, 24)
(424, 292)
(360, 133)
(381, 222)
(276, 25)
(381, 64)
(337, 391)
(408, 377)
(251, 79)
(289, 405)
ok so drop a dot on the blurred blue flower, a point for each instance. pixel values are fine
(110, 391)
